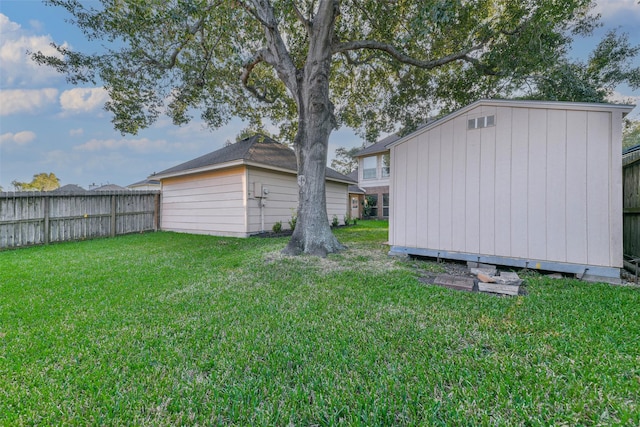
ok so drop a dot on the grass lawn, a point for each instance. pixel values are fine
(170, 329)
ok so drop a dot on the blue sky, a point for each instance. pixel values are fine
(48, 125)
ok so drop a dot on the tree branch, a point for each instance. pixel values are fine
(404, 58)
(257, 58)
(254, 12)
(276, 53)
(307, 24)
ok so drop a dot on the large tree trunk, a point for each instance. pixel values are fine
(312, 234)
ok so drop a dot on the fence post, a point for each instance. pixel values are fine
(47, 231)
(113, 215)
(156, 213)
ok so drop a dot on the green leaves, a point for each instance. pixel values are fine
(40, 182)
(187, 56)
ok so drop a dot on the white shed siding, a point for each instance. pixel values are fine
(542, 184)
(576, 185)
(503, 177)
(598, 209)
(458, 170)
(519, 189)
(556, 208)
(616, 188)
(206, 203)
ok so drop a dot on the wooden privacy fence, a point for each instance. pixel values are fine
(631, 206)
(33, 218)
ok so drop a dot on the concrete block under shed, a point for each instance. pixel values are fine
(601, 279)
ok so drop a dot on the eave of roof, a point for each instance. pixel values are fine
(354, 189)
(257, 151)
(378, 147)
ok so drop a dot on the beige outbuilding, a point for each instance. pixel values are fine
(240, 190)
(518, 183)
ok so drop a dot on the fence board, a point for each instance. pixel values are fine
(631, 203)
(31, 218)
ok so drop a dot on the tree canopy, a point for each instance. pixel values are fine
(594, 80)
(631, 133)
(345, 160)
(309, 66)
(40, 182)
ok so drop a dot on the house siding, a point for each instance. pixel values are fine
(206, 203)
(378, 185)
(337, 200)
(542, 184)
(279, 204)
(282, 201)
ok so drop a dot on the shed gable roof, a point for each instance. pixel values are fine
(557, 105)
(256, 150)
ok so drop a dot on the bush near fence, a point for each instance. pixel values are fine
(34, 218)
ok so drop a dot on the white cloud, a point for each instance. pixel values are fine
(76, 132)
(25, 100)
(620, 98)
(6, 26)
(20, 138)
(609, 8)
(83, 100)
(142, 145)
(16, 67)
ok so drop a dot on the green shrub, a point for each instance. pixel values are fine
(334, 221)
(347, 218)
(292, 222)
(277, 227)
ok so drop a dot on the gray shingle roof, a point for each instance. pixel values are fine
(145, 182)
(110, 187)
(70, 189)
(258, 149)
(381, 146)
(378, 147)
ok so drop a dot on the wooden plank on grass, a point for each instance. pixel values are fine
(455, 282)
(498, 288)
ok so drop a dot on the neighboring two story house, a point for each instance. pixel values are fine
(373, 178)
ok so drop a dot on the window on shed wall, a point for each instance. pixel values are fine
(370, 167)
(386, 165)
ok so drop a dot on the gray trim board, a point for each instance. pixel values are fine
(579, 269)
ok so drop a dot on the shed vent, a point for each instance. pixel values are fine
(481, 122)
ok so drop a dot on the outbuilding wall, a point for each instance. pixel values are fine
(337, 200)
(541, 188)
(281, 202)
(206, 203)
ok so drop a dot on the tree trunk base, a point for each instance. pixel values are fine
(300, 244)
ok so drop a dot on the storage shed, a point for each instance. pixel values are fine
(517, 183)
(240, 190)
